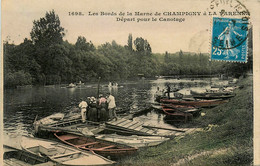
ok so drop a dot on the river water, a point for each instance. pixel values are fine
(22, 105)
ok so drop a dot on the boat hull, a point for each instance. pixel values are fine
(14, 156)
(197, 103)
(101, 147)
(210, 97)
(62, 154)
(177, 115)
(134, 140)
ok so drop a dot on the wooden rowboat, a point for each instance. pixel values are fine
(179, 107)
(212, 95)
(62, 154)
(56, 118)
(173, 113)
(197, 103)
(133, 140)
(101, 147)
(216, 93)
(175, 107)
(13, 156)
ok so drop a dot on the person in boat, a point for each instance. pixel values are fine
(111, 106)
(109, 84)
(102, 108)
(83, 106)
(168, 90)
(158, 94)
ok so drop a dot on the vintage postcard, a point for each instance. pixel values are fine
(116, 82)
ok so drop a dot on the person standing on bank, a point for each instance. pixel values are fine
(111, 106)
(83, 106)
(102, 111)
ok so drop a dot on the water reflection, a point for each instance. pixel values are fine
(113, 90)
(22, 105)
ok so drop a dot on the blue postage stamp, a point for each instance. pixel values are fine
(229, 39)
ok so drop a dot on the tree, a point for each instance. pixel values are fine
(130, 42)
(47, 30)
(142, 46)
(167, 57)
(83, 45)
(47, 38)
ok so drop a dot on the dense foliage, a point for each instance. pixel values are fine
(47, 59)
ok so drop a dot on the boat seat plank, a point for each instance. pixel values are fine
(66, 154)
(120, 121)
(87, 144)
(138, 128)
(16, 162)
(116, 122)
(49, 163)
(144, 130)
(150, 131)
(67, 137)
(131, 124)
(125, 123)
(169, 109)
(135, 126)
(103, 148)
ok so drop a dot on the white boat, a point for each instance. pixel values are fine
(133, 140)
(71, 85)
(54, 118)
(62, 154)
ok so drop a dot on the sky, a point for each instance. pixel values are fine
(192, 35)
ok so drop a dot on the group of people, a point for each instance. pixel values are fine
(166, 93)
(112, 84)
(98, 109)
(162, 93)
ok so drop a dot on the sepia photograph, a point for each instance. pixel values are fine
(137, 83)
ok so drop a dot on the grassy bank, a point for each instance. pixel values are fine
(226, 138)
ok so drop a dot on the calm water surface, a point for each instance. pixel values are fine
(22, 105)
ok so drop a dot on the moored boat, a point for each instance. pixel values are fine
(71, 85)
(101, 147)
(212, 96)
(211, 92)
(133, 140)
(62, 154)
(179, 107)
(194, 102)
(13, 156)
(177, 114)
(54, 119)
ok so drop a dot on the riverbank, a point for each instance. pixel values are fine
(226, 138)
